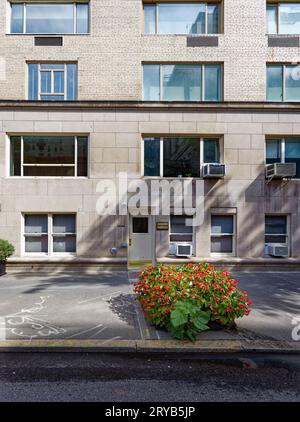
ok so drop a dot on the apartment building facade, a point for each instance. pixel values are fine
(160, 90)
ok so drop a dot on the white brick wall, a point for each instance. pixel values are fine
(110, 58)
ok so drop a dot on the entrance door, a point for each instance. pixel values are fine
(140, 239)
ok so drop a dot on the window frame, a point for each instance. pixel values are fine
(24, 3)
(161, 156)
(283, 82)
(202, 67)
(39, 80)
(193, 234)
(278, 3)
(50, 235)
(287, 234)
(155, 4)
(233, 234)
(75, 165)
(282, 149)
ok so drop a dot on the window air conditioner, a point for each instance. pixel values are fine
(278, 250)
(184, 249)
(214, 170)
(280, 170)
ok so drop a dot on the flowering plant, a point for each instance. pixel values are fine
(166, 290)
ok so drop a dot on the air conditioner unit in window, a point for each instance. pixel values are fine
(278, 250)
(184, 249)
(280, 170)
(214, 170)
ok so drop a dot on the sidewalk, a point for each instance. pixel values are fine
(97, 312)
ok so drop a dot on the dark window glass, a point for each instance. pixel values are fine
(15, 156)
(222, 233)
(211, 151)
(222, 224)
(64, 244)
(64, 223)
(36, 224)
(181, 157)
(276, 224)
(49, 150)
(44, 171)
(140, 225)
(275, 229)
(179, 230)
(82, 156)
(273, 151)
(221, 244)
(152, 157)
(292, 153)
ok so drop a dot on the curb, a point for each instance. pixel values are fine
(148, 346)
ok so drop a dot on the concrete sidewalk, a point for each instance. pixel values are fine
(97, 312)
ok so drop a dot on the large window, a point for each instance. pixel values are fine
(276, 229)
(283, 18)
(49, 18)
(49, 233)
(222, 234)
(52, 81)
(179, 156)
(284, 150)
(181, 18)
(46, 156)
(182, 82)
(283, 82)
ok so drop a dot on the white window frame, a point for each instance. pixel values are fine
(25, 3)
(161, 150)
(278, 4)
(287, 234)
(233, 235)
(53, 71)
(192, 242)
(156, 6)
(50, 235)
(48, 165)
(201, 65)
(283, 96)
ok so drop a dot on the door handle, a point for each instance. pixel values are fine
(130, 242)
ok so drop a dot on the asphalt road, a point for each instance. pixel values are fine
(100, 306)
(104, 378)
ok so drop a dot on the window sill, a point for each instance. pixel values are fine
(46, 177)
(183, 35)
(48, 35)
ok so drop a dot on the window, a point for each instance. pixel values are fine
(222, 234)
(181, 231)
(283, 18)
(181, 18)
(283, 83)
(285, 150)
(49, 234)
(52, 81)
(276, 229)
(180, 156)
(47, 156)
(182, 82)
(49, 18)
(140, 225)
